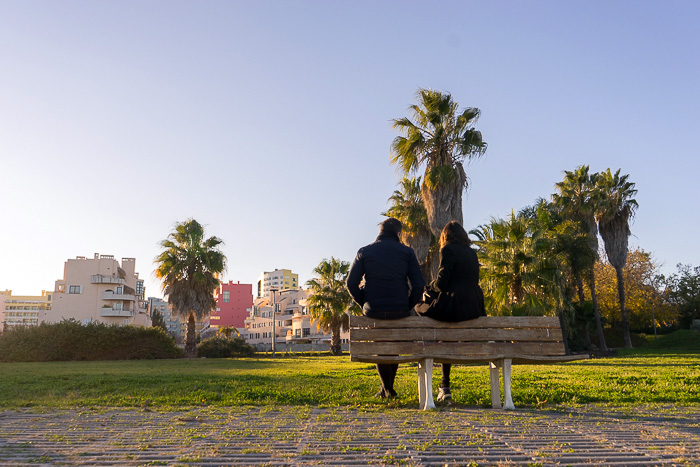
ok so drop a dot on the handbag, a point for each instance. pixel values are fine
(430, 295)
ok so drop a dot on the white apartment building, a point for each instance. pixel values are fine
(280, 279)
(100, 289)
(293, 323)
(172, 322)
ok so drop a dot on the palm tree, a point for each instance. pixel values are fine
(568, 243)
(407, 206)
(330, 300)
(615, 212)
(579, 198)
(439, 139)
(518, 274)
(189, 268)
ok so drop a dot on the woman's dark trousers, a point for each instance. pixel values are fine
(387, 374)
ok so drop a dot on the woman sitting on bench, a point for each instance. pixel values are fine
(455, 294)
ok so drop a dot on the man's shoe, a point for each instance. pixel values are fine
(444, 395)
(384, 394)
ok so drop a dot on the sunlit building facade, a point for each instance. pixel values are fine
(234, 303)
(100, 289)
(279, 279)
(23, 310)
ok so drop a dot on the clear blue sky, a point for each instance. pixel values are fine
(270, 122)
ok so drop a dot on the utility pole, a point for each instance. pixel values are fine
(274, 318)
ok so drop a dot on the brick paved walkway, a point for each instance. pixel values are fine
(344, 436)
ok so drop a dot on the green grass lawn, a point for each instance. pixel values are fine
(645, 376)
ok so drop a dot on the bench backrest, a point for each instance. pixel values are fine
(482, 337)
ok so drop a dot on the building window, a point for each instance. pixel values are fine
(74, 289)
(306, 332)
(227, 296)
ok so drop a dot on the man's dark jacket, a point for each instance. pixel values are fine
(393, 282)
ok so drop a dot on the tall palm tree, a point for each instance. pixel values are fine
(439, 139)
(616, 210)
(579, 198)
(189, 268)
(407, 206)
(330, 300)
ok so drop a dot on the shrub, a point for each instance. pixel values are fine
(220, 347)
(70, 340)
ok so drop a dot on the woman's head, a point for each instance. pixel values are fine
(453, 232)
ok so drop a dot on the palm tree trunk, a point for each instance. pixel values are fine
(581, 299)
(191, 339)
(596, 311)
(444, 203)
(623, 311)
(335, 341)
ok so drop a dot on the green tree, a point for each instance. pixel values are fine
(617, 207)
(158, 321)
(407, 206)
(684, 293)
(330, 302)
(578, 198)
(189, 269)
(440, 139)
(644, 298)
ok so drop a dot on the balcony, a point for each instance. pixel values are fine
(120, 297)
(114, 313)
(102, 279)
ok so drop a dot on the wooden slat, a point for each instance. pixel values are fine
(470, 360)
(482, 322)
(426, 349)
(450, 335)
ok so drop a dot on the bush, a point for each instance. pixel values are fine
(70, 340)
(219, 347)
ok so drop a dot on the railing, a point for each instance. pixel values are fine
(102, 279)
(111, 312)
(116, 296)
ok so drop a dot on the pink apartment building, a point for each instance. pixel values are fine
(233, 305)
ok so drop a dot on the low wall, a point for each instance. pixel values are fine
(283, 348)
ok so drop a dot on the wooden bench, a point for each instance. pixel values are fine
(497, 340)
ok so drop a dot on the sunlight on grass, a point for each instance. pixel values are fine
(336, 381)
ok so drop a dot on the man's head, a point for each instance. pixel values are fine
(391, 226)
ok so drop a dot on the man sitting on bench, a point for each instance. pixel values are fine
(393, 285)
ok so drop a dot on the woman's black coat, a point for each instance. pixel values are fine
(460, 297)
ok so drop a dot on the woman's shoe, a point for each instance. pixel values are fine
(444, 395)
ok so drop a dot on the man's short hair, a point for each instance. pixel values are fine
(391, 226)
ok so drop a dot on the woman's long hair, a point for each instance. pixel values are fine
(453, 232)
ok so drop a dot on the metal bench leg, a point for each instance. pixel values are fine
(495, 385)
(506, 385)
(425, 384)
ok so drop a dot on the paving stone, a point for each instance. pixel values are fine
(301, 436)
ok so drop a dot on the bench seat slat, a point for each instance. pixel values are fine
(428, 349)
(450, 335)
(482, 322)
(523, 359)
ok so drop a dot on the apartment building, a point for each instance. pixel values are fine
(172, 322)
(293, 324)
(280, 279)
(23, 310)
(100, 289)
(234, 303)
